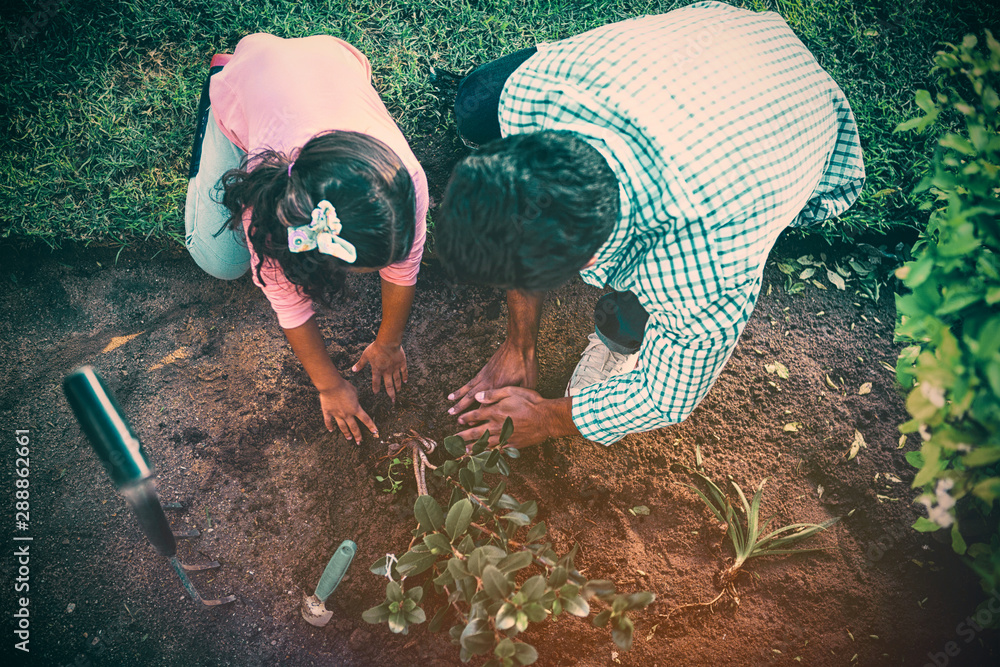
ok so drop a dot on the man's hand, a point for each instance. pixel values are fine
(510, 366)
(340, 406)
(535, 418)
(388, 364)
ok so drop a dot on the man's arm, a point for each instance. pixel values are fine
(514, 363)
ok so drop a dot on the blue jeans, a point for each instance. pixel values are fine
(218, 250)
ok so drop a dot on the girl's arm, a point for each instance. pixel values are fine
(386, 356)
(337, 397)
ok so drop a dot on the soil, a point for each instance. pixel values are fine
(232, 424)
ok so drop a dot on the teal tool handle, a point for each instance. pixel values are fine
(109, 432)
(336, 569)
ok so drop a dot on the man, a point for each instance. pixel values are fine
(661, 157)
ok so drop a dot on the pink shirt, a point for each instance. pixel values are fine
(277, 93)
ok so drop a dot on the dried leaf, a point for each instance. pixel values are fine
(902, 441)
(830, 383)
(779, 368)
(834, 278)
(640, 510)
(791, 426)
(820, 490)
(807, 273)
(866, 388)
(859, 442)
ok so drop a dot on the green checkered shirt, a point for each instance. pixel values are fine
(723, 130)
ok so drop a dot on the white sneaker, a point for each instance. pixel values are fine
(597, 364)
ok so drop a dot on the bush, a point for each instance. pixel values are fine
(951, 315)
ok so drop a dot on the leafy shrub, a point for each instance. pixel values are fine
(480, 571)
(951, 315)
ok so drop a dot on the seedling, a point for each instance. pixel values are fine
(394, 474)
(741, 523)
(489, 563)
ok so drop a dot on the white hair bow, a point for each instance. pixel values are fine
(322, 232)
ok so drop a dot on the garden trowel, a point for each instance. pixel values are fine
(314, 606)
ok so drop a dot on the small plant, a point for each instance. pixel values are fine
(746, 532)
(490, 566)
(393, 474)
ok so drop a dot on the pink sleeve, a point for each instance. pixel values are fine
(291, 306)
(405, 272)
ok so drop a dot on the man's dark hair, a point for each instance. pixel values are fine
(526, 212)
(364, 180)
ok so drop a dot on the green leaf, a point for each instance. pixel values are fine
(576, 605)
(467, 478)
(455, 445)
(516, 561)
(512, 452)
(458, 519)
(602, 619)
(438, 619)
(398, 622)
(622, 635)
(477, 638)
(413, 563)
(534, 588)
(517, 518)
(428, 513)
(495, 583)
(982, 456)
(598, 587)
(915, 459)
(558, 577)
(536, 532)
(535, 612)
(394, 592)
(379, 614)
(505, 648)
(525, 653)
(639, 600)
(957, 541)
(491, 460)
(506, 430)
(437, 543)
(925, 525)
(506, 616)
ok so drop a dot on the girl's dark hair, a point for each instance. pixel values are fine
(360, 176)
(526, 212)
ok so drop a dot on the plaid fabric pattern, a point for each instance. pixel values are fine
(723, 130)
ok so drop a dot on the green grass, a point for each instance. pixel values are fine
(98, 99)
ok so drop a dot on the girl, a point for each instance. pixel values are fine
(318, 181)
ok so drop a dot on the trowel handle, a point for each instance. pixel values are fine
(109, 432)
(336, 569)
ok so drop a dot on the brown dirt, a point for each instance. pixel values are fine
(229, 418)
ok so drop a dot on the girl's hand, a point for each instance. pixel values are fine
(340, 406)
(388, 364)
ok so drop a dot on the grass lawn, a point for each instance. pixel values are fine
(98, 98)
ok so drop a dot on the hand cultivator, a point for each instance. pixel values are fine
(125, 461)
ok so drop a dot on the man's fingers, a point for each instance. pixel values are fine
(343, 429)
(465, 388)
(397, 378)
(362, 362)
(463, 404)
(404, 373)
(329, 421)
(490, 396)
(472, 433)
(367, 421)
(390, 386)
(355, 430)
